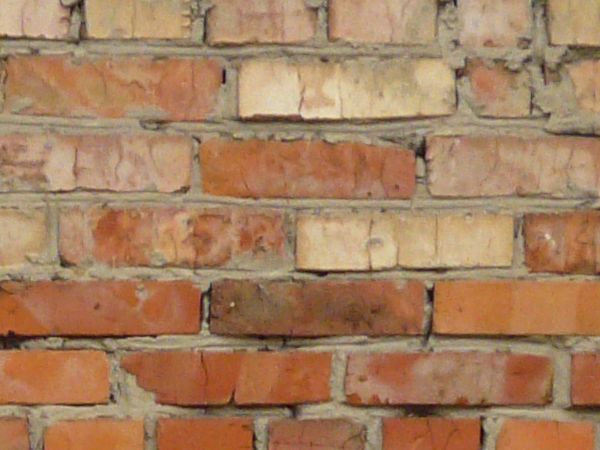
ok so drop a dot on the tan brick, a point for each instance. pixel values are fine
(545, 435)
(574, 22)
(346, 90)
(23, 236)
(585, 77)
(138, 19)
(381, 241)
(490, 23)
(47, 19)
(481, 166)
(383, 21)
(260, 21)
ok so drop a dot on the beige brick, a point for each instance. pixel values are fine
(132, 19)
(34, 18)
(357, 89)
(586, 80)
(383, 21)
(574, 22)
(22, 236)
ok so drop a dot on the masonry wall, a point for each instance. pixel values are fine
(335, 224)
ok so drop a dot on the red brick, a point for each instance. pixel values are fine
(24, 236)
(448, 378)
(316, 433)
(35, 377)
(56, 162)
(585, 374)
(512, 165)
(383, 21)
(260, 21)
(219, 378)
(140, 87)
(99, 308)
(310, 169)
(14, 434)
(517, 307)
(545, 435)
(563, 243)
(99, 434)
(205, 434)
(317, 308)
(47, 19)
(431, 434)
(178, 237)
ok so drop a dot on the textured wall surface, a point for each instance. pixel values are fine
(294, 224)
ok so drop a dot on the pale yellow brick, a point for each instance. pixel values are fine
(574, 22)
(23, 235)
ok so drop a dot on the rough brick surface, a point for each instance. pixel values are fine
(574, 22)
(545, 435)
(34, 19)
(99, 308)
(448, 379)
(56, 162)
(112, 87)
(585, 372)
(347, 90)
(303, 434)
(383, 21)
(99, 434)
(563, 243)
(219, 378)
(313, 308)
(14, 434)
(431, 434)
(584, 77)
(24, 236)
(34, 377)
(306, 169)
(207, 434)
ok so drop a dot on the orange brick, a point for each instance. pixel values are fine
(99, 308)
(317, 308)
(309, 169)
(316, 433)
(383, 21)
(139, 87)
(99, 434)
(205, 434)
(14, 434)
(585, 373)
(178, 237)
(545, 435)
(218, 378)
(431, 434)
(448, 378)
(260, 21)
(563, 243)
(47, 19)
(35, 377)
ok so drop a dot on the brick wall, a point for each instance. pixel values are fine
(282, 225)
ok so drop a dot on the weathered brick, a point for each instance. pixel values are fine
(489, 23)
(383, 21)
(517, 307)
(316, 433)
(585, 373)
(99, 308)
(115, 87)
(512, 165)
(431, 433)
(306, 169)
(363, 241)
(99, 434)
(14, 434)
(205, 434)
(219, 378)
(163, 236)
(563, 243)
(545, 435)
(135, 19)
(496, 91)
(56, 162)
(574, 22)
(260, 21)
(448, 378)
(585, 79)
(23, 237)
(47, 19)
(317, 308)
(346, 90)
(34, 377)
